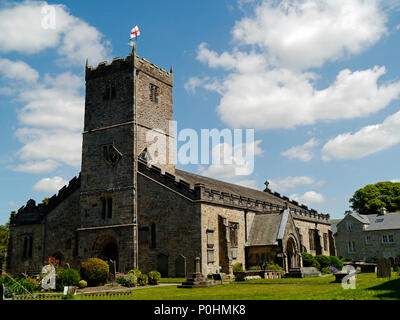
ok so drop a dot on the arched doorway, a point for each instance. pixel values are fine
(105, 247)
(162, 265)
(291, 252)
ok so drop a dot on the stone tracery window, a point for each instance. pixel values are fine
(154, 92)
(28, 247)
(233, 234)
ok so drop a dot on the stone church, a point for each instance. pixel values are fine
(179, 215)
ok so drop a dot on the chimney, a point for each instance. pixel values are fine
(383, 211)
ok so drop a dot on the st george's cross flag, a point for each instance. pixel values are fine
(135, 32)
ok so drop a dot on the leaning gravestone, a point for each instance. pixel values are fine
(384, 268)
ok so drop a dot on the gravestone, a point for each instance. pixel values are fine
(180, 266)
(113, 269)
(384, 268)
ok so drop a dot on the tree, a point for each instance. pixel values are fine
(372, 197)
(4, 232)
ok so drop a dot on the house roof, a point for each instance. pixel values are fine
(362, 218)
(389, 221)
(264, 230)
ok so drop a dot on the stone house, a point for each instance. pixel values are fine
(368, 237)
(178, 216)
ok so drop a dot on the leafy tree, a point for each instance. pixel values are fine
(46, 201)
(4, 231)
(372, 197)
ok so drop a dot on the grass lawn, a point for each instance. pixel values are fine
(323, 288)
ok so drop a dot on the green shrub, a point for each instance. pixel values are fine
(67, 278)
(129, 280)
(316, 264)
(143, 280)
(154, 277)
(136, 272)
(82, 284)
(323, 261)
(336, 262)
(29, 284)
(238, 267)
(325, 271)
(255, 268)
(95, 271)
(308, 259)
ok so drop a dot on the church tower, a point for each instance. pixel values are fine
(128, 113)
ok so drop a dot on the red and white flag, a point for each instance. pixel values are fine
(135, 32)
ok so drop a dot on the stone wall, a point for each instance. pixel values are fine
(375, 249)
(211, 220)
(177, 224)
(304, 227)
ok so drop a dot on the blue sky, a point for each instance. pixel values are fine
(319, 81)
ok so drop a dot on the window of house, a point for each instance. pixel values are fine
(387, 238)
(154, 92)
(351, 247)
(210, 256)
(349, 226)
(210, 238)
(325, 241)
(153, 243)
(367, 240)
(233, 233)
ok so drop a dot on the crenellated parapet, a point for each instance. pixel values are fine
(168, 180)
(200, 192)
(32, 213)
(128, 64)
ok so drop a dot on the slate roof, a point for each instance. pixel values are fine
(390, 221)
(231, 188)
(264, 230)
(362, 218)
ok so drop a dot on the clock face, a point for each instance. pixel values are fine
(111, 155)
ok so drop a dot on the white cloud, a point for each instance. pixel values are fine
(50, 185)
(12, 204)
(55, 103)
(18, 70)
(249, 98)
(303, 34)
(310, 197)
(37, 167)
(284, 184)
(21, 30)
(51, 122)
(304, 153)
(366, 141)
(228, 162)
(395, 180)
(287, 39)
(193, 83)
